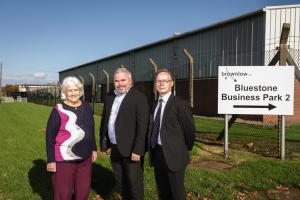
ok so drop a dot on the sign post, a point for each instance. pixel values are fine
(282, 137)
(226, 136)
(256, 90)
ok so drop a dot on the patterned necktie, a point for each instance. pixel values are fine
(156, 126)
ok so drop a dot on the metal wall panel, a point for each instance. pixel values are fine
(249, 40)
(237, 43)
(80, 71)
(110, 65)
(161, 54)
(64, 74)
(85, 71)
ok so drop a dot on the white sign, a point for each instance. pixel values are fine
(256, 90)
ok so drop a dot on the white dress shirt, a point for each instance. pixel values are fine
(113, 116)
(165, 99)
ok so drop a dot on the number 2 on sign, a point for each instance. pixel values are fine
(287, 97)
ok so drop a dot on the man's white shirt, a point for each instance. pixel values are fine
(165, 99)
(113, 116)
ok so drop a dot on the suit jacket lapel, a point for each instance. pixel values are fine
(124, 102)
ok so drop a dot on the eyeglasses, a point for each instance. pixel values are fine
(162, 81)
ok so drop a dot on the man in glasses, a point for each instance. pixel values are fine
(172, 135)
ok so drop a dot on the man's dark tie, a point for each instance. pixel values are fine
(156, 126)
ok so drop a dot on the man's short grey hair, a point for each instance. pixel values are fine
(123, 70)
(70, 81)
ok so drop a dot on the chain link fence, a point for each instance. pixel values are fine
(45, 95)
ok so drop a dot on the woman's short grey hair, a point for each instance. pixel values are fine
(123, 70)
(70, 81)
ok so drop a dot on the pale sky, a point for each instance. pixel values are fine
(40, 38)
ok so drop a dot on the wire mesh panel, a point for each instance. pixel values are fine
(45, 95)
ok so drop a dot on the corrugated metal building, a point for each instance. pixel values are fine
(251, 39)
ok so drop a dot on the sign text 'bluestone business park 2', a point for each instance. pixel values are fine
(256, 90)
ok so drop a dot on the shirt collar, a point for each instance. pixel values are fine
(165, 97)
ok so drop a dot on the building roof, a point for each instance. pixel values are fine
(181, 35)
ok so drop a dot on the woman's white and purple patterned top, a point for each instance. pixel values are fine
(70, 134)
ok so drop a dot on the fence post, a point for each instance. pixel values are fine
(283, 56)
(226, 136)
(282, 61)
(93, 91)
(55, 95)
(155, 68)
(107, 80)
(282, 137)
(283, 53)
(58, 89)
(191, 76)
(82, 81)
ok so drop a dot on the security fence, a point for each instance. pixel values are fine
(254, 133)
(45, 95)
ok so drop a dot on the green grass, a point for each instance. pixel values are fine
(238, 130)
(23, 163)
(250, 176)
(98, 107)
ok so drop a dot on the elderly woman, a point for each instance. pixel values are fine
(71, 145)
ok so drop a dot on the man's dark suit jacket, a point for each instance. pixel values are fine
(177, 132)
(131, 124)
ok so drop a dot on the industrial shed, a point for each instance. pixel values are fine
(248, 40)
